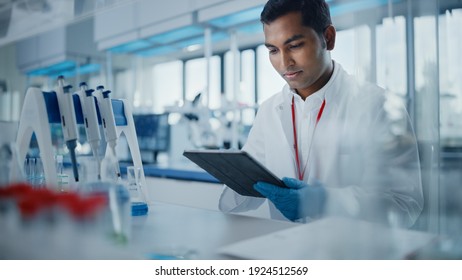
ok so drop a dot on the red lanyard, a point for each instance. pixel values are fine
(301, 173)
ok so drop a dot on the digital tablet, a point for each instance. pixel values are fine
(236, 169)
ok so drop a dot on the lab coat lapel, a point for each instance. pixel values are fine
(283, 111)
(329, 133)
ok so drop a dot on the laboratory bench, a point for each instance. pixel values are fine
(176, 232)
(168, 231)
(194, 206)
(179, 232)
(183, 222)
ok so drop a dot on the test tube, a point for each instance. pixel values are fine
(29, 168)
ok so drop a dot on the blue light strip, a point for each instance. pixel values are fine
(237, 18)
(130, 47)
(89, 68)
(83, 69)
(59, 67)
(255, 28)
(199, 40)
(177, 34)
(157, 51)
(37, 72)
(350, 7)
(216, 37)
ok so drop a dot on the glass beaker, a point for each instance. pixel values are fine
(89, 169)
(34, 171)
(117, 215)
(135, 188)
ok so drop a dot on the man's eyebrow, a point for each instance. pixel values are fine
(291, 39)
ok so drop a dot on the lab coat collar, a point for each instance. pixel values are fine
(327, 92)
(332, 88)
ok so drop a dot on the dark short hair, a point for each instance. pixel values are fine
(315, 13)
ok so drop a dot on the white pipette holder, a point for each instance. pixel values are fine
(125, 124)
(40, 109)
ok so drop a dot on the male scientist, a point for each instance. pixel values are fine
(340, 146)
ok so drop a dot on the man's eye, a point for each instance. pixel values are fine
(272, 51)
(296, 46)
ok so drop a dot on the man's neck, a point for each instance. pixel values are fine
(319, 84)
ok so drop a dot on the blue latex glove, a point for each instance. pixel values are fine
(298, 200)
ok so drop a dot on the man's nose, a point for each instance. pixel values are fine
(287, 59)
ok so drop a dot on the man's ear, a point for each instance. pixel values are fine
(329, 36)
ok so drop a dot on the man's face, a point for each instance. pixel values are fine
(298, 53)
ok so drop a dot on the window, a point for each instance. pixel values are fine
(196, 80)
(391, 55)
(246, 91)
(353, 51)
(269, 81)
(168, 84)
(450, 58)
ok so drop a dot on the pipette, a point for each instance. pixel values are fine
(90, 117)
(109, 125)
(68, 121)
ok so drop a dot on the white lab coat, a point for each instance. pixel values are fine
(363, 151)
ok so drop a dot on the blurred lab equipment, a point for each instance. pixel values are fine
(68, 121)
(90, 118)
(39, 109)
(124, 123)
(201, 132)
(153, 133)
(90, 169)
(10, 169)
(33, 167)
(63, 178)
(42, 223)
(42, 108)
(109, 124)
(117, 196)
(135, 189)
(204, 127)
(193, 129)
(110, 168)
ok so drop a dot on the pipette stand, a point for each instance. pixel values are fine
(35, 118)
(125, 124)
(40, 109)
